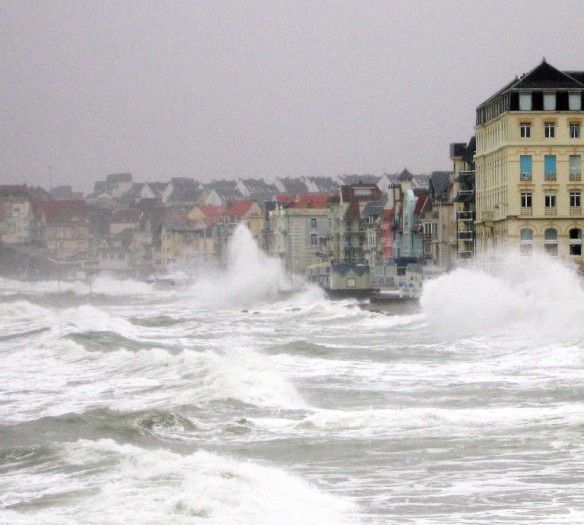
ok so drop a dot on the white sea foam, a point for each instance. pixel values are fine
(123, 380)
(118, 484)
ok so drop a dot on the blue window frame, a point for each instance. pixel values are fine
(550, 167)
(525, 162)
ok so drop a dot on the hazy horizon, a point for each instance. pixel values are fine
(215, 90)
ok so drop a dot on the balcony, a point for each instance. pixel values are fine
(526, 211)
(465, 176)
(575, 210)
(465, 216)
(525, 177)
(465, 196)
(575, 176)
(550, 176)
(551, 210)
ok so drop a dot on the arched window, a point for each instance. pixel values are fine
(576, 241)
(550, 242)
(526, 241)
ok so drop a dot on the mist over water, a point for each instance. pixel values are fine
(245, 396)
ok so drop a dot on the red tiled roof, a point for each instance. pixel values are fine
(284, 198)
(238, 208)
(65, 211)
(309, 200)
(233, 209)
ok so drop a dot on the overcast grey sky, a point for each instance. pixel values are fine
(228, 89)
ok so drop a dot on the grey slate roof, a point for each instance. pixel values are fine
(439, 183)
(373, 208)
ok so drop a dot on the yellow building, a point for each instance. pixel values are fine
(528, 162)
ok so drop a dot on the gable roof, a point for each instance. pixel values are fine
(126, 216)
(291, 185)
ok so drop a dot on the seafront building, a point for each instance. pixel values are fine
(528, 161)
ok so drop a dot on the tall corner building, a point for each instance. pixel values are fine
(528, 162)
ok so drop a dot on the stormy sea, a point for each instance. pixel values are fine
(247, 397)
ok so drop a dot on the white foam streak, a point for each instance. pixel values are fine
(440, 421)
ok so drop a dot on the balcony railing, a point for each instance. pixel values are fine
(525, 176)
(551, 210)
(575, 210)
(526, 211)
(550, 176)
(575, 176)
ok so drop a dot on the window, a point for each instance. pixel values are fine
(526, 241)
(313, 222)
(574, 130)
(550, 167)
(575, 102)
(525, 129)
(526, 199)
(575, 167)
(576, 242)
(575, 199)
(550, 242)
(549, 130)
(525, 101)
(549, 101)
(525, 167)
(313, 239)
(550, 203)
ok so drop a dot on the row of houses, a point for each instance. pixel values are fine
(140, 229)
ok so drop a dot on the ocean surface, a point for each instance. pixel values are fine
(245, 397)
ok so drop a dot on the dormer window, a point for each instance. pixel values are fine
(549, 101)
(525, 101)
(575, 102)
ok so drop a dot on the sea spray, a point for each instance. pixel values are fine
(250, 277)
(537, 295)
